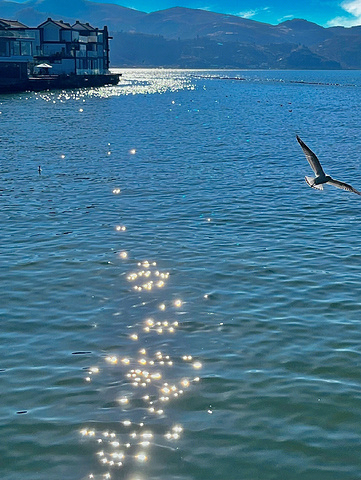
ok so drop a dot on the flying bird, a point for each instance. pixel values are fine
(321, 177)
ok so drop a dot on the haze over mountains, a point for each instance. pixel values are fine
(189, 38)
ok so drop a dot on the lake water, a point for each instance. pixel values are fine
(176, 302)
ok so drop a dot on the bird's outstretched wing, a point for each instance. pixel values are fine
(311, 157)
(344, 186)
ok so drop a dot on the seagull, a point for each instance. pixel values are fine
(321, 177)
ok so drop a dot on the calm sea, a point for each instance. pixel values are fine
(176, 302)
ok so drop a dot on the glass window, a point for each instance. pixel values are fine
(25, 48)
(4, 48)
(16, 48)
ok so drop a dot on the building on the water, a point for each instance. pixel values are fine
(19, 45)
(54, 55)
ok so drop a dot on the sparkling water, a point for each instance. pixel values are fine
(176, 302)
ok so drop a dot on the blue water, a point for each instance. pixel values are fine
(176, 302)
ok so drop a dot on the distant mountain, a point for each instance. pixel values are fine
(185, 23)
(117, 18)
(198, 38)
(136, 49)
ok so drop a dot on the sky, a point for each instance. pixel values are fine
(323, 12)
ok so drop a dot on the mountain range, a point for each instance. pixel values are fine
(191, 38)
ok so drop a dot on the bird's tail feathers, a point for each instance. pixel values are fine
(311, 182)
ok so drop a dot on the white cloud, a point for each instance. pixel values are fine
(353, 8)
(286, 17)
(247, 14)
(252, 13)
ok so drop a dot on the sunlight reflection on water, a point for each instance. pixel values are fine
(132, 82)
(151, 381)
(255, 287)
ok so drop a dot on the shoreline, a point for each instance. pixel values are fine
(59, 82)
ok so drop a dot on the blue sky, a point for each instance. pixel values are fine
(323, 12)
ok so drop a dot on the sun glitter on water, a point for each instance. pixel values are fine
(151, 379)
(153, 388)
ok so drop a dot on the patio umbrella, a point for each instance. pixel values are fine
(43, 65)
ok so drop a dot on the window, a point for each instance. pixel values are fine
(4, 48)
(25, 48)
(15, 50)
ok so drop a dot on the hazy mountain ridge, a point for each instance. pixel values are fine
(198, 38)
(114, 16)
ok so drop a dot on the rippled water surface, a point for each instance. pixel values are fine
(176, 302)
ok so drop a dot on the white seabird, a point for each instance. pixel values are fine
(321, 177)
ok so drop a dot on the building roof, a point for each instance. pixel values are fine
(83, 26)
(4, 24)
(59, 23)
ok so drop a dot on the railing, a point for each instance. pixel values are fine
(17, 34)
(88, 71)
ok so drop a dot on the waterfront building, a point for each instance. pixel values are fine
(79, 49)
(19, 45)
(53, 49)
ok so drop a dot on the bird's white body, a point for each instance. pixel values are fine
(316, 182)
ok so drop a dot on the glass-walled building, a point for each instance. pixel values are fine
(19, 45)
(65, 49)
(79, 49)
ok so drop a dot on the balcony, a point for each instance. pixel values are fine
(18, 34)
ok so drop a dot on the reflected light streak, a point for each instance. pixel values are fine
(155, 279)
(141, 457)
(147, 378)
(132, 82)
(112, 360)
